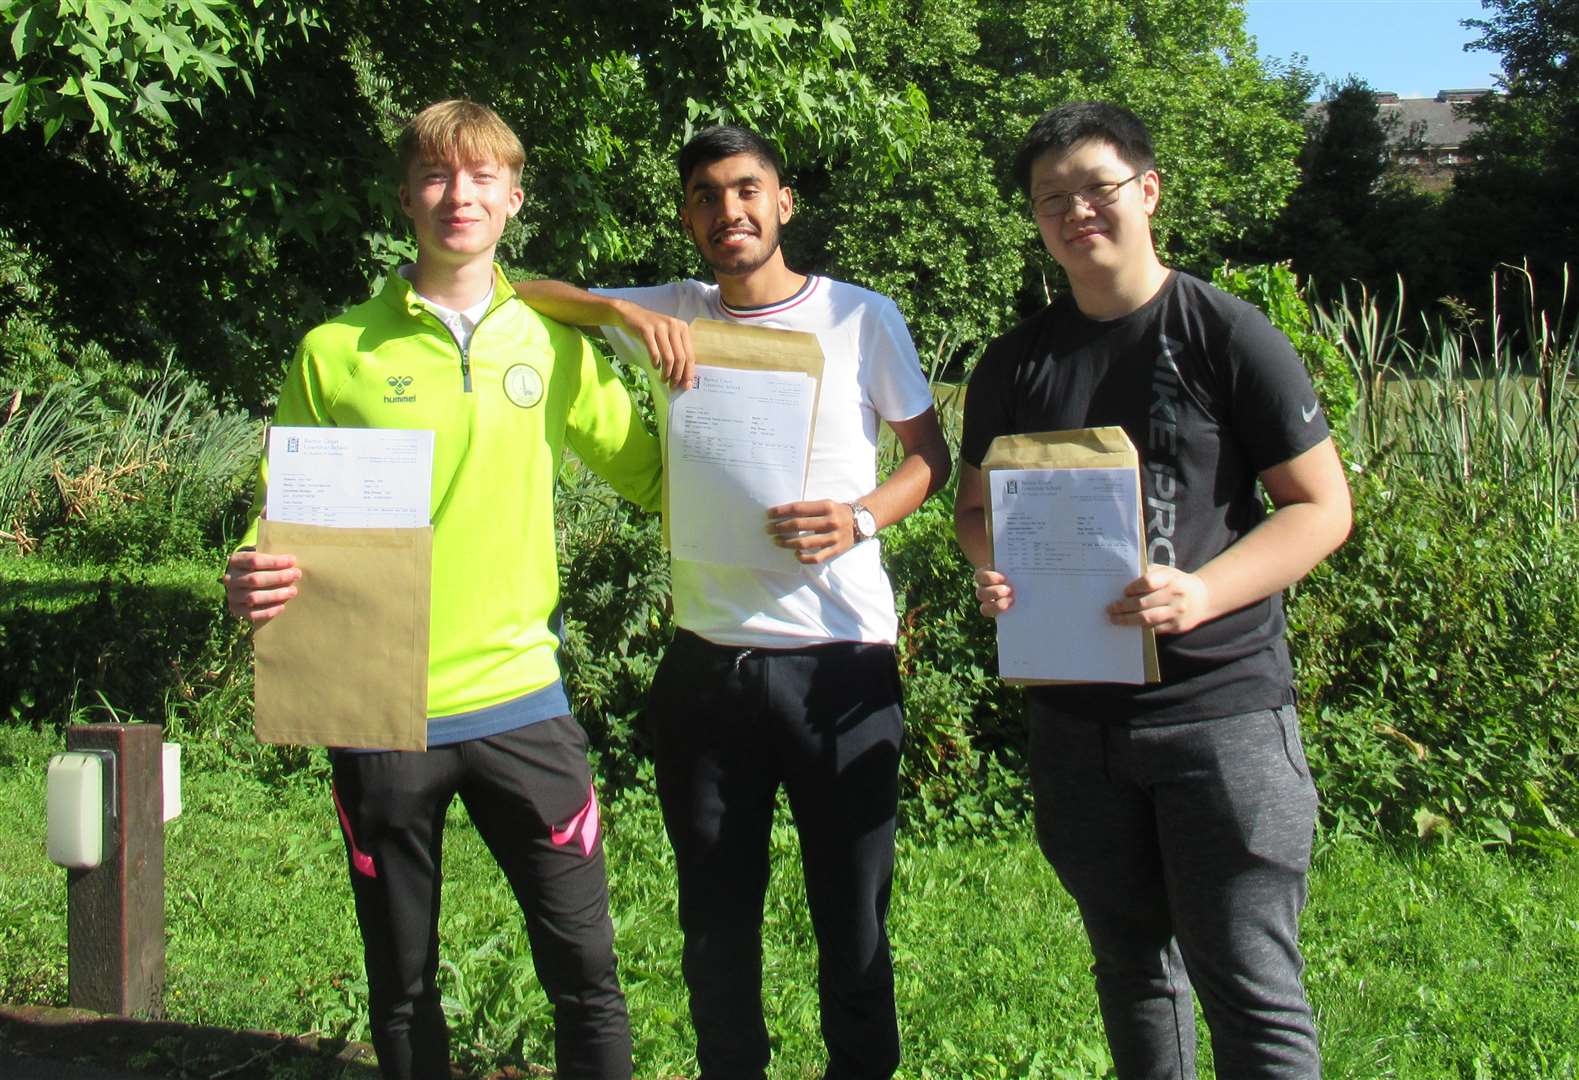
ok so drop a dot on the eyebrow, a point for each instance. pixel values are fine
(707, 185)
(470, 166)
(1088, 183)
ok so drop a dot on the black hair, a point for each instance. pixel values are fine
(724, 141)
(1060, 128)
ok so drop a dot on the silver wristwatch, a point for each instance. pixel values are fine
(865, 523)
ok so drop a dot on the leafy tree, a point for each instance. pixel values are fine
(1516, 199)
(951, 238)
(1352, 216)
(230, 162)
(224, 232)
(115, 63)
(215, 238)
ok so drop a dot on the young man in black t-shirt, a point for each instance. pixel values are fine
(1178, 814)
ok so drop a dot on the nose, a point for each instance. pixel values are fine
(731, 205)
(1078, 207)
(461, 189)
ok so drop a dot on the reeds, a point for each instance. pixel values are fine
(68, 453)
(1469, 400)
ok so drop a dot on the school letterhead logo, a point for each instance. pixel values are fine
(398, 385)
(523, 385)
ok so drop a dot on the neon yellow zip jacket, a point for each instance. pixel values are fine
(502, 413)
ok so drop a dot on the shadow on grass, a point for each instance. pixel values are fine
(161, 1048)
(118, 640)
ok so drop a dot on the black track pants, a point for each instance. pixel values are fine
(730, 726)
(529, 792)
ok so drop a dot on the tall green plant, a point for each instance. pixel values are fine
(36, 436)
(1470, 399)
(1434, 649)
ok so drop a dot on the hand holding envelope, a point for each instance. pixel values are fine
(1064, 525)
(739, 443)
(344, 660)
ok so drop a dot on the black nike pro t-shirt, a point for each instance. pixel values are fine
(1211, 394)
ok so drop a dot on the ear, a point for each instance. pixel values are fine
(405, 200)
(786, 205)
(1150, 191)
(517, 199)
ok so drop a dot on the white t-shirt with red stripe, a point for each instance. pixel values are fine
(870, 372)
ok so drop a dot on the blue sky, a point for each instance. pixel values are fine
(1413, 47)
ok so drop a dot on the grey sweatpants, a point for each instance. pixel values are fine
(1186, 847)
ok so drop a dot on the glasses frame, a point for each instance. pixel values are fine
(1091, 197)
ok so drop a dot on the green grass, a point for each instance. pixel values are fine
(1446, 962)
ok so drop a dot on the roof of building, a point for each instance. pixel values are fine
(1434, 121)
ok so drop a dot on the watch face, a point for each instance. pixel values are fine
(865, 524)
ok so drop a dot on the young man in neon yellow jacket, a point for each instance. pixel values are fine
(447, 346)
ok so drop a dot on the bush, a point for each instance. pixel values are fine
(1436, 667)
(129, 640)
(1433, 651)
(104, 473)
(1278, 293)
(614, 591)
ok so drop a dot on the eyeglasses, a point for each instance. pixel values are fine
(1058, 203)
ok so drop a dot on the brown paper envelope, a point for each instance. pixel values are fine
(345, 663)
(1077, 448)
(760, 348)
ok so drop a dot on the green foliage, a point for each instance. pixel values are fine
(897, 118)
(106, 474)
(110, 641)
(1352, 217)
(1472, 398)
(1277, 292)
(953, 268)
(1434, 655)
(617, 618)
(38, 347)
(113, 63)
(1512, 203)
(955, 705)
(953, 242)
(126, 501)
(1434, 648)
(32, 440)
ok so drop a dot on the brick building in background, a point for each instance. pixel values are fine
(1425, 136)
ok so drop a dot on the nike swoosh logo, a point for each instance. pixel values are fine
(1310, 413)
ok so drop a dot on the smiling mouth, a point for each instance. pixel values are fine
(731, 236)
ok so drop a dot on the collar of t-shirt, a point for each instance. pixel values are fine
(460, 323)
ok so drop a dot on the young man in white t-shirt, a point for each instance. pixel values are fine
(783, 677)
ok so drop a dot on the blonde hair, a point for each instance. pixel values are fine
(460, 131)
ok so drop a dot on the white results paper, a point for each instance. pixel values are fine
(1068, 540)
(350, 478)
(738, 444)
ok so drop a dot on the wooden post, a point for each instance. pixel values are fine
(115, 911)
